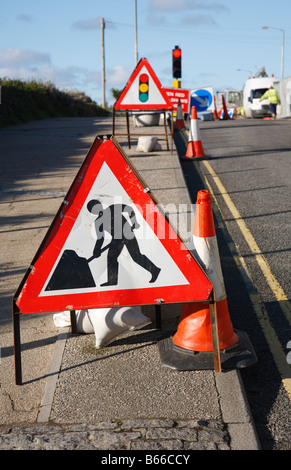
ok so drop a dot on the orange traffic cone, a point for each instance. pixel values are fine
(191, 347)
(225, 112)
(194, 331)
(215, 113)
(179, 124)
(195, 148)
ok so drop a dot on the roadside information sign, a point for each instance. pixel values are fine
(202, 98)
(176, 94)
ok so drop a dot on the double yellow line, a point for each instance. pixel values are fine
(279, 355)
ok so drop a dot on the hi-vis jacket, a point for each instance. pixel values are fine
(272, 95)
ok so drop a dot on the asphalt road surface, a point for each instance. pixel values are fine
(249, 176)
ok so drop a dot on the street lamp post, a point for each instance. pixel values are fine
(283, 46)
(103, 63)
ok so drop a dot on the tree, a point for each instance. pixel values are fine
(116, 93)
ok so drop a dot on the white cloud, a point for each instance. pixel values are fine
(25, 18)
(185, 5)
(169, 5)
(17, 58)
(118, 76)
(67, 77)
(198, 20)
(31, 65)
(175, 9)
(91, 24)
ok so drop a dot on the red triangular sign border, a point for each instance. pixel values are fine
(120, 106)
(27, 296)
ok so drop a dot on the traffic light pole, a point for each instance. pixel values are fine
(177, 66)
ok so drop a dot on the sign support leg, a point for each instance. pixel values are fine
(158, 317)
(73, 322)
(127, 126)
(166, 132)
(172, 130)
(113, 121)
(17, 345)
(215, 337)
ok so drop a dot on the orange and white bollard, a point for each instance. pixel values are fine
(191, 347)
(194, 331)
(225, 112)
(215, 113)
(179, 124)
(195, 149)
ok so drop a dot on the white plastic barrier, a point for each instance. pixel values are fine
(146, 119)
(106, 323)
(146, 144)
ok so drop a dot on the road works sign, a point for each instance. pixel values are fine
(202, 98)
(176, 94)
(110, 244)
(143, 90)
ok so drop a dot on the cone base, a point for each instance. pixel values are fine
(239, 356)
(195, 150)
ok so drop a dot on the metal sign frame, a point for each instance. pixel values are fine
(166, 134)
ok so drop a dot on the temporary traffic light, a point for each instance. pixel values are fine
(177, 62)
(143, 87)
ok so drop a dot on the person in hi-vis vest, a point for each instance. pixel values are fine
(273, 97)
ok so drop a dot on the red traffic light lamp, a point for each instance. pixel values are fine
(177, 53)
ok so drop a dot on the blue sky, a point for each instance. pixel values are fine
(60, 41)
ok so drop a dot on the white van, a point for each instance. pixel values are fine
(253, 90)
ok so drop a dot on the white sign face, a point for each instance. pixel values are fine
(128, 254)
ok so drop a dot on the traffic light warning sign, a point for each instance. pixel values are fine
(143, 90)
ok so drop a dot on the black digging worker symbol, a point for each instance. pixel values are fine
(113, 221)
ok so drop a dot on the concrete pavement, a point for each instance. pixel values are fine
(74, 396)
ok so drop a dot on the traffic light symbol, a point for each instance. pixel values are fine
(143, 87)
(177, 62)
